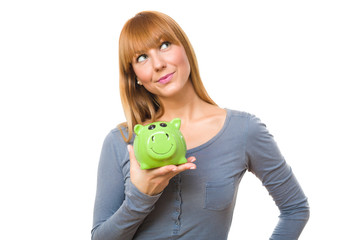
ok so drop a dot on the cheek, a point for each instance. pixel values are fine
(182, 60)
(142, 73)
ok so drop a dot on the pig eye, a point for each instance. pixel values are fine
(163, 124)
(151, 127)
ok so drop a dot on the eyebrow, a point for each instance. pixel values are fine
(160, 40)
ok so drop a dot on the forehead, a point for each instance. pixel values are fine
(142, 36)
(148, 42)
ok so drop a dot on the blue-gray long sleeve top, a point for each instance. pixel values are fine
(195, 202)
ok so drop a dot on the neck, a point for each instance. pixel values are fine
(186, 105)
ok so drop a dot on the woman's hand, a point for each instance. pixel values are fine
(154, 181)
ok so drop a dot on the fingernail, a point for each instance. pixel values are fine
(193, 160)
(193, 167)
(174, 169)
(128, 148)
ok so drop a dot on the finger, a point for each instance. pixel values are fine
(184, 167)
(191, 159)
(173, 168)
(164, 170)
(132, 156)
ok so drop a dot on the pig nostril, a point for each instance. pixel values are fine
(167, 135)
(152, 138)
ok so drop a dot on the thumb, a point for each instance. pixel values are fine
(132, 157)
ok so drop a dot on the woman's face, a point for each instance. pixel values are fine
(164, 70)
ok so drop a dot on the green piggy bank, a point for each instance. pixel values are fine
(159, 144)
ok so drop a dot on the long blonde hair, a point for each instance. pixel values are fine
(140, 33)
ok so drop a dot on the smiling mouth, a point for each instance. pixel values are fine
(163, 153)
(166, 78)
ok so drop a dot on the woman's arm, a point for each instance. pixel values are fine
(119, 206)
(267, 163)
(125, 193)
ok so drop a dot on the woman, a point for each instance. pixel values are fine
(159, 80)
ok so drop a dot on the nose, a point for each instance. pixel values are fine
(158, 62)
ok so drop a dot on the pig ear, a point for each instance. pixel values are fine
(176, 122)
(138, 128)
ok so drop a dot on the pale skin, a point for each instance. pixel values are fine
(200, 121)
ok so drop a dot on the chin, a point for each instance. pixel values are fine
(171, 90)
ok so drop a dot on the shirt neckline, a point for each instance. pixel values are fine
(213, 139)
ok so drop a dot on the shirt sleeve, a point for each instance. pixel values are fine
(119, 206)
(267, 163)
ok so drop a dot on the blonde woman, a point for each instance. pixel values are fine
(159, 81)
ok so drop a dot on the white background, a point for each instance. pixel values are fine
(294, 64)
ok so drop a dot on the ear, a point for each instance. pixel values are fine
(176, 122)
(138, 128)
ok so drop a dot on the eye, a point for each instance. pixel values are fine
(141, 58)
(151, 127)
(165, 45)
(163, 124)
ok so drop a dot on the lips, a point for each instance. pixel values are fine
(165, 79)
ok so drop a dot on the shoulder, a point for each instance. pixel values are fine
(115, 138)
(241, 115)
(248, 122)
(114, 150)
